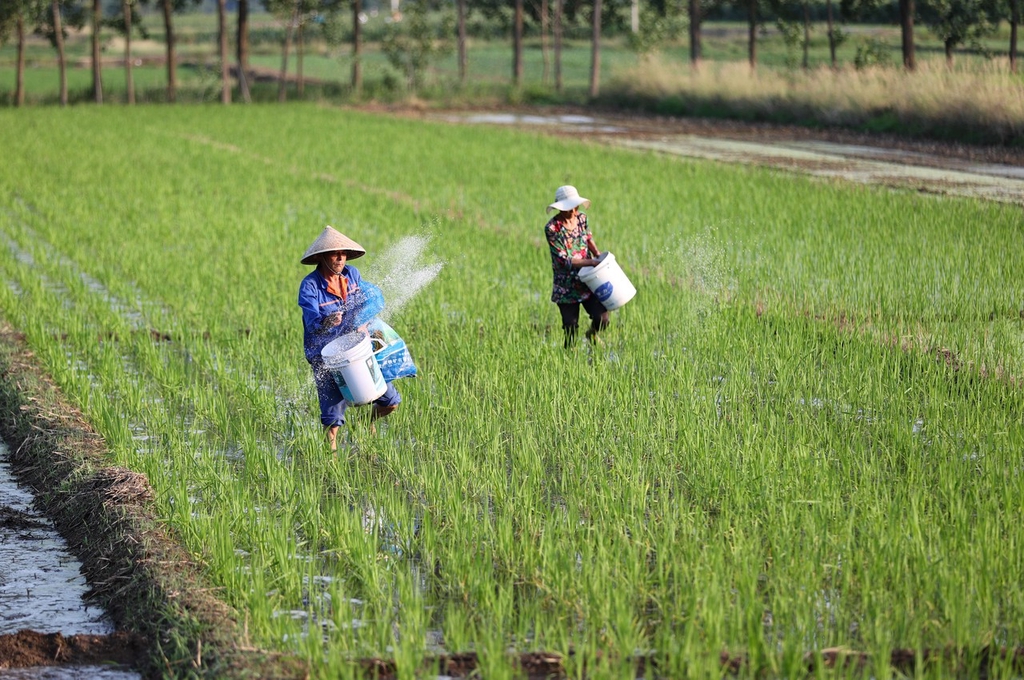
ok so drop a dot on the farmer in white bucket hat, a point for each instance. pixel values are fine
(328, 297)
(572, 247)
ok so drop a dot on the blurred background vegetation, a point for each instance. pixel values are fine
(814, 62)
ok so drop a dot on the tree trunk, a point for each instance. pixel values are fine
(752, 33)
(172, 65)
(460, 7)
(695, 51)
(595, 50)
(300, 83)
(544, 10)
(831, 35)
(242, 50)
(557, 30)
(282, 83)
(19, 79)
(807, 35)
(129, 82)
(1014, 21)
(357, 47)
(58, 35)
(517, 45)
(97, 70)
(634, 16)
(907, 33)
(949, 45)
(222, 39)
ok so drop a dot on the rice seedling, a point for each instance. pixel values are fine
(803, 434)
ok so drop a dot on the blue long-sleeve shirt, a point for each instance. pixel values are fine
(317, 304)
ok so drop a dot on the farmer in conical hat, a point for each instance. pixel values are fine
(326, 297)
(572, 247)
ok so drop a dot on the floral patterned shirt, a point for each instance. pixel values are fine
(567, 238)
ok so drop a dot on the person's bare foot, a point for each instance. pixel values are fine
(382, 411)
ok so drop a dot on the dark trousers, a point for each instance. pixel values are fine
(570, 312)
(332, 404)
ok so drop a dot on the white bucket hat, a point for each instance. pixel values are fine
(567, 198)
(329, 240)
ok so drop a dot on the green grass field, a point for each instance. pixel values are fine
(803, 433)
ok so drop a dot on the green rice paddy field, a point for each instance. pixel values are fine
(805, 432)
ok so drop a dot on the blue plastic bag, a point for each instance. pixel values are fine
(391, 352)
(363, 304)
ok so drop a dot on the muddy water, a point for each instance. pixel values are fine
(41, 585)
(850, 162)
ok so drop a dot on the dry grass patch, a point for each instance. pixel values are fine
(980, 101)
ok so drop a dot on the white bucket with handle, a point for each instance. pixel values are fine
(351, 362)
(608, 282)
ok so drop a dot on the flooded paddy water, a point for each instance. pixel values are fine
(43, 606)
(864, 163)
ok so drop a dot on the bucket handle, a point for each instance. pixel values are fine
(377, 340)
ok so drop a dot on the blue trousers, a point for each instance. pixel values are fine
(333, 405)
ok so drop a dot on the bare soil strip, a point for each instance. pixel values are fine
(145, 580)
(30, 649)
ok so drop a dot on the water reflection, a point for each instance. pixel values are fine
(41, 584)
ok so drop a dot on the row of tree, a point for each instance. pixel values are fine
(955, 22)
(54, 18)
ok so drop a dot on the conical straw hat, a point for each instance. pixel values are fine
(329, 240)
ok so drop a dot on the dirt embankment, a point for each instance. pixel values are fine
(169, 623)
(28, 648)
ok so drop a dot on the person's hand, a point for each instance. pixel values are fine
(331, 320)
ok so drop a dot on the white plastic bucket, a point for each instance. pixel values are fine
(608, 282)
(351, 362)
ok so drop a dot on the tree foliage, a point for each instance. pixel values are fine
(576, 14)
(116, 22)
(73, 16)
(661, 22)
(422, 36)
(961, 22)
(333, 18)
(8, 19)
(871, 52)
